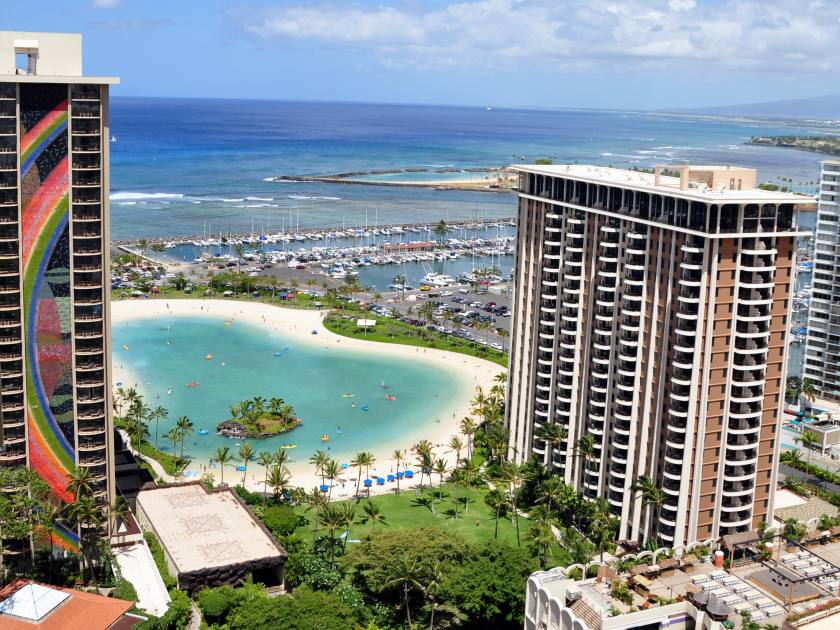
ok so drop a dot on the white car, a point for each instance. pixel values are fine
(496, 346)
(483, 342)
(446, 293)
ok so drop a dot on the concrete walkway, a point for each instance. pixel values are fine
(159, 471)
(138, 567)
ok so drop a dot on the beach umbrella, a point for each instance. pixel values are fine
(409, 474)
(368, 483)
(391, 477)
(344, 465)
(324, 487)
(380, 481)
(240, 468)
(400, 475)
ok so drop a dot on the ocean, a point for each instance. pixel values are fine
(183, 166)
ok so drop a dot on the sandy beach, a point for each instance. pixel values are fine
(300, 324)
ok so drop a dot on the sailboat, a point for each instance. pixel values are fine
(113, 137)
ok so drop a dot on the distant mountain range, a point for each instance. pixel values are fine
(818, 107)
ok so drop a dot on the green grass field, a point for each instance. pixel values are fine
(391, 331)
(478, 525)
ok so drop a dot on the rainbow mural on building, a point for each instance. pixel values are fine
(46, 285)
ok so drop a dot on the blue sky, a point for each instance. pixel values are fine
(543, 53)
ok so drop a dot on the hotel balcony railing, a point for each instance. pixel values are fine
(747, 376)
(737, 487)
(749, 360)
(86, 145)
(85, 110)
(753, 312)
(742, 441)
(744, 425)
(750, 344)
(733, 472)
(86, 162)
(754, 295)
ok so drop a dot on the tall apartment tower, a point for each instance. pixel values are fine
(822, 351)
(651, 313)
(55, 410)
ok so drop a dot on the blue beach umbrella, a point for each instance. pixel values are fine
(324, 487)
(409, 474)
(391, 477)
(400, 475)
(380, 481)
(344, 465)
(368, 483)
(240, 468)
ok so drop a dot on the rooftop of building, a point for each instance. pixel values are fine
(708, 183)
(201, 529)
(32, 606)
(33, 57)
(759, 588)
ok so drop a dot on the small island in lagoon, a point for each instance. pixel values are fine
(258, 418)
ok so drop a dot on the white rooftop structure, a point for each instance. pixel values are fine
(200, 529)
(33, 57)
(714, 184)
(32, 602)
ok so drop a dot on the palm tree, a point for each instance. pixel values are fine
(358, 462)
(791, 457)
(456, 444)
(331, 518)
(246, 454)
(553, 435)
(185, 426)
(652, 496)
(319, 460)
(348, 515)
(399, 457)
(239, 250)
(468, 428)
(370, 460)
(265, 459)
(157, 414)
(542, 537)
(279, 479)
(281, 456)
(274, 405)
(331, 472)
(808, 392)
(550, 491)
(434, 580)
(372, 515)
(497, 501)
(174, 434)
(87, 515)
(223, 457)
(469, 469)
(585, 449)
(404, 572)
(118, 513)
(809, 440)
(81, 482)
(440, 469)
(513, 475)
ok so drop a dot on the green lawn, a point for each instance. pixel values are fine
(391, 331)
(404, 510)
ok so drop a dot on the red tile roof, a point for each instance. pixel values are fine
(80, 611)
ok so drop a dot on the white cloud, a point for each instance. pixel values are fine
(783, 35)
(105, 4)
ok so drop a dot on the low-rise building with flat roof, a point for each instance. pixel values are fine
(210, 537)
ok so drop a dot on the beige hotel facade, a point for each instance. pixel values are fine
(651, 311)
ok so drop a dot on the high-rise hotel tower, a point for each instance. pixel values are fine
(650, 322)
(54, 325)
(822, 354)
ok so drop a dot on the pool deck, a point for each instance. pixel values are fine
(300, 324)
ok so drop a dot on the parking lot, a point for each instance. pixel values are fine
(457, 310)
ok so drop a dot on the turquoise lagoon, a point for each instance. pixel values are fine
(165, 354)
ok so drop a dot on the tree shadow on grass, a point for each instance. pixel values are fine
(423, 501)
